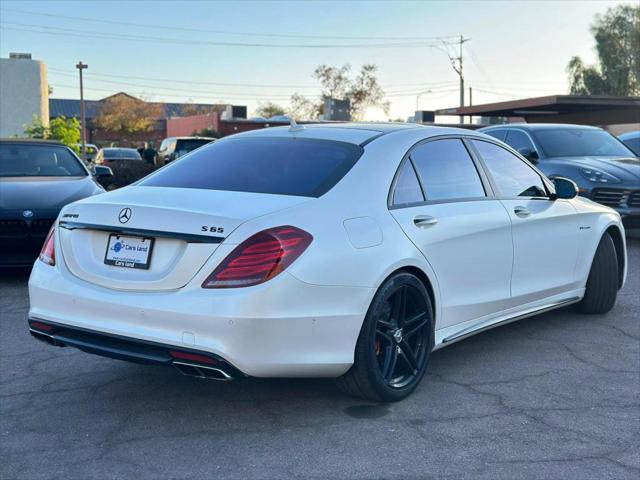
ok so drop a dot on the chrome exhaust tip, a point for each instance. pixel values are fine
(200, 371)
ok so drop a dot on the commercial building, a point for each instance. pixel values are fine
(166, 112)
(24, 93)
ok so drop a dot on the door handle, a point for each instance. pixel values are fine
(521, 211)
(424, 221)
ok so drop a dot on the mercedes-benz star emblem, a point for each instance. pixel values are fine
(124, 215)
(27, 214)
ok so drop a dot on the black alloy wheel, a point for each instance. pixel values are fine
(394, 343)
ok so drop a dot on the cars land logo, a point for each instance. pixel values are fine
(124, 215)
(117, 246)
(27, 214)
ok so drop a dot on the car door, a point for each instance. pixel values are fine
(446, 209)
(545, 231)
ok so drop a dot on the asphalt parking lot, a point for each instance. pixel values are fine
(553, 396)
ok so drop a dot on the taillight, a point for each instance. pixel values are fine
(259, 258)
(48, 252)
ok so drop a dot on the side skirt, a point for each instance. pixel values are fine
(503, 320)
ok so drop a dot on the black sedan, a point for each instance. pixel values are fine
(37, 178)
(604, 168)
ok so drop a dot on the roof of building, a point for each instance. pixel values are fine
(71, 107)
(578, 109)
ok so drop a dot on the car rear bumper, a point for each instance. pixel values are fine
(283, 328)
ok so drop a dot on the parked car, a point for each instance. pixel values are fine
(37, 178)
(105, 156)
(91, 150)
(127, 166)
(632, 141)
(603, 167)
(175, 147)
(346, 251)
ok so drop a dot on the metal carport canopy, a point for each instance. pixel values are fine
(578, 109)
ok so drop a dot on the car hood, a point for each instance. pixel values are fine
(625, 168)
(43, 193)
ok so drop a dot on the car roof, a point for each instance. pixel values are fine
(539, 126)
(629, 135)
(359, 133)
(31, 141)
(119, 148)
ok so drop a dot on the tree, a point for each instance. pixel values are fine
(617, 71)
(304, 108)
(190, 108)
(63, 129)
(363, 91)
(269, 110)
(124, 113)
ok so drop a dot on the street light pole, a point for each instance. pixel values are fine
(81, 66)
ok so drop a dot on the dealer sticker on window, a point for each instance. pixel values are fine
(128, 252)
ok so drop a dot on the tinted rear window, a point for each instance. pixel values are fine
(121, 153)
(285, 166)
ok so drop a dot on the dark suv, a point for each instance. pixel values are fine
(604, 168)
(175, 147)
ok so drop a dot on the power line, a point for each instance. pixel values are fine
(236, 84)
(226, 32)
(47, 30)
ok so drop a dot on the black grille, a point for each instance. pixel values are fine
(611, 197)
(33, 227)
(634, 199)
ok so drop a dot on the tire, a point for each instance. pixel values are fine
(602, 284)
(395, 342)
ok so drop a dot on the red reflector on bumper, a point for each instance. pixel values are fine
(194, 357)
(41, 326)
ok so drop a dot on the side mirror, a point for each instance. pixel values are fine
(100, 171)
(565, 188)
(529, 154)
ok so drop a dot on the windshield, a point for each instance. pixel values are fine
(187, 145)
(18, 160)
(579, 142)
(285, 166)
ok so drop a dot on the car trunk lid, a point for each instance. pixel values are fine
(185, 226)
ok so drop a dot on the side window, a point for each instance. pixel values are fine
(498, 133)
(513, 177)
(447, 171)
(407, 189)
(517, 140)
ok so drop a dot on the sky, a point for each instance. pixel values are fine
(252, 52)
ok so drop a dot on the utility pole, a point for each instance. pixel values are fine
(81, 66)
(456, 63)
(470, 103)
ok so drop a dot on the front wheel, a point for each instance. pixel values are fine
(602, 284)
(394, 343)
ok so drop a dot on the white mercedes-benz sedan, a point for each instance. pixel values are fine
(334, 250)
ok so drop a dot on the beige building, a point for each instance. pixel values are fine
(24, 93)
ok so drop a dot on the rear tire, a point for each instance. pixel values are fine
(602, 284)
(394, 343)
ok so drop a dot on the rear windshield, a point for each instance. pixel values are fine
(579, 142)
(121, 153)
(18, 160)
(285, 166)
(185, 145)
